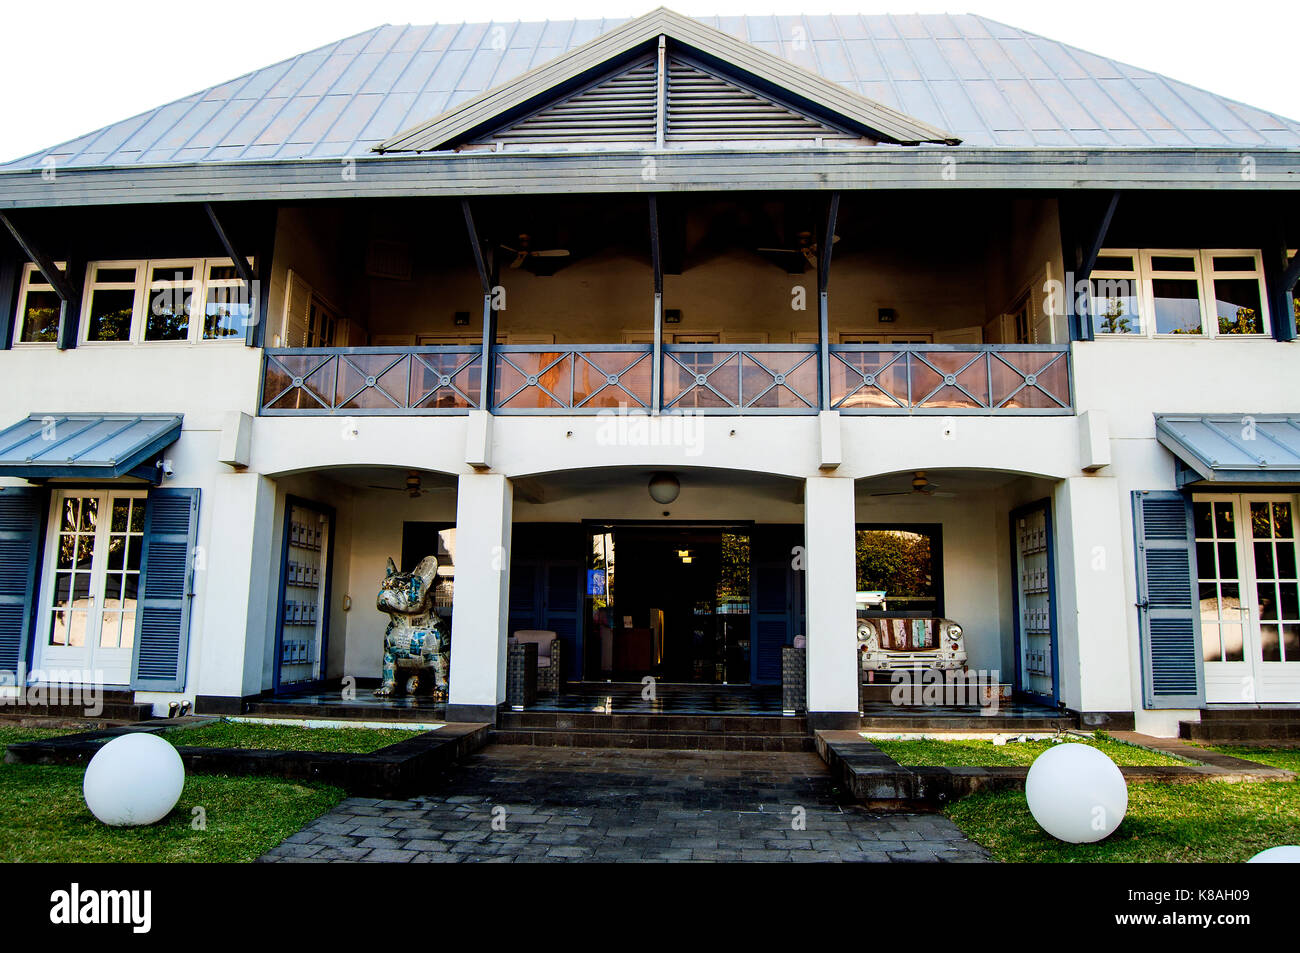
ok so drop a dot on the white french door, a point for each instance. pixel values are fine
(1246, 549)
(90, 585)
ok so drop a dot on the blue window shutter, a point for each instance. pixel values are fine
(1169, 615)
(22, 512)
(162, 630)
(563, 612)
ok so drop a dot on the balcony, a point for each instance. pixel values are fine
(681, 378)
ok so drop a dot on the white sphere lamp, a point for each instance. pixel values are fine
(1076, 793)
(1286, 854)
(134, 779)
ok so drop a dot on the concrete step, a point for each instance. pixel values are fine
(109, 711)
(1003, 724)
(1242, 731)
(1250, 714)
(657, 739)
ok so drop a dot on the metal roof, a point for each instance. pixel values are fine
(1233, 448)
(984, 82)
(84, 445)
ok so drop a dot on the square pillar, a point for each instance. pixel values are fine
(480, 619)
(830, 516)
(1093, 608)
(235, 571)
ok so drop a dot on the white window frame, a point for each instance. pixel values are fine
(209, 283)
(32, 280)
(1211, 313)
(93, 283)
(1203, 274)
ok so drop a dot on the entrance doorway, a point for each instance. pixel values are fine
(90, 585)
(1246, 569)
(672, 602)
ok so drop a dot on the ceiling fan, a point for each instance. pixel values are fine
(795, 260)
(920, 484)
(524, 253)
(411, 488)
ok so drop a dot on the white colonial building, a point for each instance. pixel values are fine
(925, 306)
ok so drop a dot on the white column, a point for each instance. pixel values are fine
(829, 537)
(234, 576)
(479, 627)
(1092, 612)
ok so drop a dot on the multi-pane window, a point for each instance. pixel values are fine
(1157, 293)
(110, 302)
(142, 301)
(1273, 537)
(38, 308)
(122, 573)
(1218, 573)
(73, 594)
(226, 306)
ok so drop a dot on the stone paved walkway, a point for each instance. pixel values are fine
(565, 804)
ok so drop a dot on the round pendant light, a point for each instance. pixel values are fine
(664, 488)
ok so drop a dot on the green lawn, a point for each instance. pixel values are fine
(229, 734)
(43, 818)
(1202, 822)
(11, 734)
(981, 753)
(1288, 758)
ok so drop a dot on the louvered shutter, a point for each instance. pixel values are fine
(703, 106)
(297, 308)
(1169, 615)
(21, 512)
(162, 631)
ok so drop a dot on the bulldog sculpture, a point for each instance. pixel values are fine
(414, 633)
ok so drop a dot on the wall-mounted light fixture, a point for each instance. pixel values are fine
(664, 488)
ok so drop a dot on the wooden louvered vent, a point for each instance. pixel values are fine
(621, 108)
(698, 106)
(702, 106)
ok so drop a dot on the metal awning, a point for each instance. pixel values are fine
(1233, 448)
(100, 446)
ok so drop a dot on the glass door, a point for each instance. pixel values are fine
(90, 586)
(1250, 597)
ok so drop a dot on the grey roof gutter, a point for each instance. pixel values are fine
(940, 168)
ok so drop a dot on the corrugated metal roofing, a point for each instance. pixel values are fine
(84, 445)
(988, 83)
(1234, 448)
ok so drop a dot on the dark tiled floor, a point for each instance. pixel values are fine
(624, 698)
(565, 804)
(1008, 709)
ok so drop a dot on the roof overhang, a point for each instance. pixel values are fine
(1237, 449)
(566, 72)
(87, 446)
(476, 173)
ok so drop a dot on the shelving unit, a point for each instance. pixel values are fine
(1035, 601)
(304, 595)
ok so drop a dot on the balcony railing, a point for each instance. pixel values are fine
(572, 379)
(748, 379)
(695, 378)
(371, 380)
(950, 379)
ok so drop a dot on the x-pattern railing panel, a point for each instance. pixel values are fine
(754, 378)
(572, 378)
(421, 380)
(927, 378)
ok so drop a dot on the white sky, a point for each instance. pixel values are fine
(68, 67)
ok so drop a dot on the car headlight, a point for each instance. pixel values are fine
(867, 636)
(954, 632)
